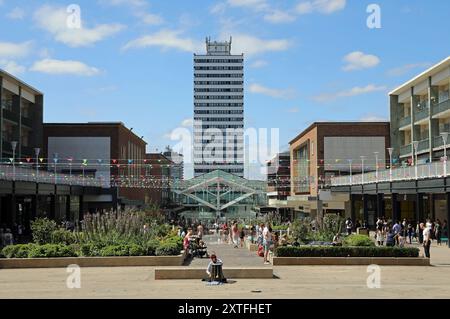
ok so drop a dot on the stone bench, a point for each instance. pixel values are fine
(200, 273)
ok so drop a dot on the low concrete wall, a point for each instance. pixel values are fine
(200, 273)
(92, 261)
(382, 261)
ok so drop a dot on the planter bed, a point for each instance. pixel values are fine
(92, 261)
(343, 261)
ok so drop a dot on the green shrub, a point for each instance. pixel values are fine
(358, 240)
(89, 250)
(136, 250)
(51, 250)
(62, 236)
(336, 251)
(42, 229)
(150, 247)
(17, 251)
(280, 227)
(168, 248)
(114, 250)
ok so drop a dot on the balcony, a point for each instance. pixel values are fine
(405, 121)
(424, 145)
(405, 150)
(441, 107)
(422, 114)
(438, 141)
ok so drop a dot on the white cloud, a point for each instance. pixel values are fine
(152, 19)
(54, 20)
(16, 14)
(373, 118)
(320, 6)
(275, 93)
(187, 122)
(251, 45)
(359, 60)
(134, 3)
(259, 64)
(52, 66)
(165, 39)
(218, 8)
(408, 67)
(293, 110)
(279, 16)
(252, 4)
(326, 97)
(14, 50)
(12, 67)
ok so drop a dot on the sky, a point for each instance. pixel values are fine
(305, 60)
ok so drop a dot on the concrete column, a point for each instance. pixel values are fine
(419, 207)
(395, 208)
(365, 209)
(352, 208)
(380, 205)
(1, 119)
(448, 218)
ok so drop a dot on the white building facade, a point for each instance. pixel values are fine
(218, 110)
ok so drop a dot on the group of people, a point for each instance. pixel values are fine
(231, 233)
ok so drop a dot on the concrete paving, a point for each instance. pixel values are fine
(293, 282)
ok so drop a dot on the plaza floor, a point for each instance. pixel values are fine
(291, 282)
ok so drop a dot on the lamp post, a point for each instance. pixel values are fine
(390, 150)
(350, 165)
(416, 146)
(445, 139)
(70, 159)
(37, 150)
(14, 145)
(55, 160)
(376, 165)
(362, 168)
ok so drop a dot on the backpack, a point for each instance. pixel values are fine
(260, 252)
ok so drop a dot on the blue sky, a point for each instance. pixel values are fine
(306, 60)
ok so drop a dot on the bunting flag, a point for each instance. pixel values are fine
(114, 161)
(99, 161)
(41, 159)
(28, 159)
(85, 162)
(11, 159)
(130, 161)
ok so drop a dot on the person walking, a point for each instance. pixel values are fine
(267, 242)
(349, 226)
(397, 229)
(235, 234)
(438, 231)
(242, 237)
(410, 232)
(426, 239)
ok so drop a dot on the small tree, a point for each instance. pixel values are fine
(42, 229)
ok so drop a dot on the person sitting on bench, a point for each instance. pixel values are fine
(214, 269)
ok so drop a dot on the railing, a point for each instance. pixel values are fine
(17, 173)
(430, 170)
(423, 145)
(422, 114)
(438, 141)
(405, 150)
(405, 121)
(441, 107)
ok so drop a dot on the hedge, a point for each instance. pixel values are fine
(38, 251)
(343, 251)
(358, 240)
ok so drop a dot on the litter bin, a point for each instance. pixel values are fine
(362, 231)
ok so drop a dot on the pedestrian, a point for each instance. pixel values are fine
(410, 232)
(445, 229)
(241, 237)
(426, 239)
(349, 226)
(267, 242)
(235, 233)
(397, 230)
(390, 238)
(438, 231)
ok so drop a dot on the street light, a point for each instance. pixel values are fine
(445, 139)
(416, 145)
(362, 168)
(350, 165)
(37, 150)
(376, 165)
(14, 145)
(390, 150)
(55, 160)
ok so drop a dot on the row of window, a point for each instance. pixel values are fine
(216, 68)
(219, 119)
(219, 126)
(219, 82)
(220, 104)
(219, 90)
(219, 111)
(218, 60)
(218, 97)
(215, 75)
(231, 170)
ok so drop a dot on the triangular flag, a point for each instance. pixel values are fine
(41, 159)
